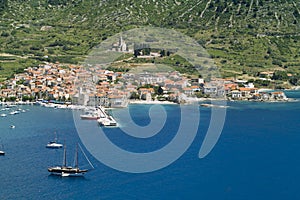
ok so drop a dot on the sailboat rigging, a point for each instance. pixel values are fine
(65, 170)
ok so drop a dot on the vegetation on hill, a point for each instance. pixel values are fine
(244, 37)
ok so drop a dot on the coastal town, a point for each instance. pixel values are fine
(99, 85)
(63, 83)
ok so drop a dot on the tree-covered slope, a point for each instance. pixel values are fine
(243, 36)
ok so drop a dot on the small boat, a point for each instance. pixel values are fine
(3, 115)
(14, 112)
(2, 153)
(107, 121)
(91, 115)
(65, 170)
(53, 144)
(12, 126)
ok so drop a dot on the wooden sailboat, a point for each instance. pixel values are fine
(65, 170)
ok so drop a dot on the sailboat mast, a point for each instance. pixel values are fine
(55, 137)
(65, 156)
(76, 157)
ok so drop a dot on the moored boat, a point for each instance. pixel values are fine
(107, 121)
(91, 115)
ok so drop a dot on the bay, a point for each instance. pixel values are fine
(256, 157)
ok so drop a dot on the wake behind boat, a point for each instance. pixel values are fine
(65, 170)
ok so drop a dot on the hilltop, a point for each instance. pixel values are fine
(244, 37)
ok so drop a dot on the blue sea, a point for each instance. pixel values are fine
(257, 155)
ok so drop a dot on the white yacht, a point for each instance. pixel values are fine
(53, 144)
(107, 121)
(91, 114)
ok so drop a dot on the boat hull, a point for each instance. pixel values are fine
(89, 117)
(109, 121)
(54, 146)
(67, 171)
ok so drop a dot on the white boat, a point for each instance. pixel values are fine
(91, 115)
(107, 121)
(14, 112)
(53, 144)
(2, 153)
(3, 115)
(12, 126)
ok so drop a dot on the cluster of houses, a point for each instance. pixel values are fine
(51, 81)
(249, 92)
(97, 86)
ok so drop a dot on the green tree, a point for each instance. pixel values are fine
(160, 91)
(3, 4)
(134, 95)
(280, 75)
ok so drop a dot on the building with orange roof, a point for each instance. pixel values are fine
(188, 91)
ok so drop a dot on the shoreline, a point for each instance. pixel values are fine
(151, 102)
(200, 100)
(185, 101)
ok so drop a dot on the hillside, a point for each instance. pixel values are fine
(244, 37)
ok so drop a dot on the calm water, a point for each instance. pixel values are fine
(256, 157)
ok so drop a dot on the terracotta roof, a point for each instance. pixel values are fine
(246, 89)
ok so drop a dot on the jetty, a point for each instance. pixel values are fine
(106, 119)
